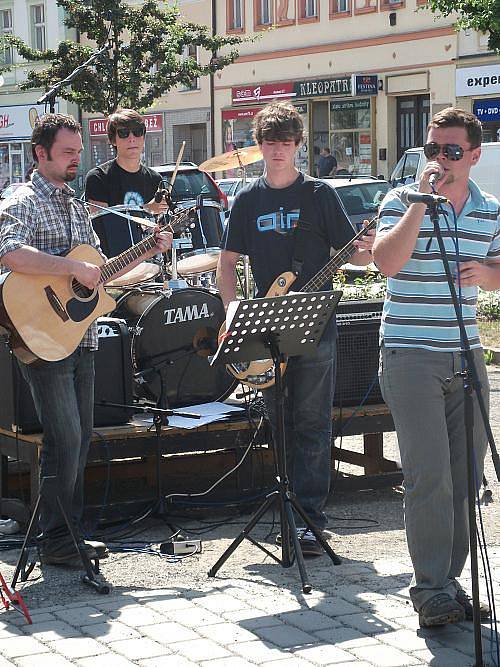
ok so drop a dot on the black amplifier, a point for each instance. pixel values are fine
(358, 352)
(113, 381)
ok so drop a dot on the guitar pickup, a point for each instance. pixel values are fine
(56, 304)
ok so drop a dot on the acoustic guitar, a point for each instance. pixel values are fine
(259, 374)
(47, 316)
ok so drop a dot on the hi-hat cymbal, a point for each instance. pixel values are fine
(232, 159)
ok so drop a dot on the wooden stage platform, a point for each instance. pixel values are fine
(119, 449)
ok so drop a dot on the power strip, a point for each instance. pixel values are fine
(181, 548)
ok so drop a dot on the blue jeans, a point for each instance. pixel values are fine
(309, 388)
(63, 393)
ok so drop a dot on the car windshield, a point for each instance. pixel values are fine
(362, 199)
(228, 187)
(190, 184)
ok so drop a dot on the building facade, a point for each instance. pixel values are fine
(39, 23)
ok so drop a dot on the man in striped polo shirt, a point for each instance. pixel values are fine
(421, 359)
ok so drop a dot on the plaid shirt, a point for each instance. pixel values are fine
(49, 219)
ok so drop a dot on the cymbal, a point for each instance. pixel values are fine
(232, 159)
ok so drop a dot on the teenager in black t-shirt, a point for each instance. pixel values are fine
(261, 225)
(125, 180)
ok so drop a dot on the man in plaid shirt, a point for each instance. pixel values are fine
(39, 224)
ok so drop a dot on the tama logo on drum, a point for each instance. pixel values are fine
(186, 314)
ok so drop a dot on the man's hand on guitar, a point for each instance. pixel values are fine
(87, 274)
(163, 241)
(366, 241)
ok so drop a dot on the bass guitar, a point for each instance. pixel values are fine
(259, 374)
(47, 316)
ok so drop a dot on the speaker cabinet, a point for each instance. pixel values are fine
(113, 381)
(358, 353)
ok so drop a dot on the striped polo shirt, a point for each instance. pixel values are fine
(418, 309)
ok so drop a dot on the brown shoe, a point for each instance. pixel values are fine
(466, 601)
(440, 610)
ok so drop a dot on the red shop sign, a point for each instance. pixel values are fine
(232, 114)
(99, 126)
(263, 93)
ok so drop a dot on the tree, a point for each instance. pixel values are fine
(481, 15)
(144, 61)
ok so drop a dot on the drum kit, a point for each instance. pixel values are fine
(171, 304)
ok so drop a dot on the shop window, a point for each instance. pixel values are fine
(190, 52)
(6, 57)
(340, 8)
(38, 37)
(263, 13)
(285, 12)
(389, 5)
(365, 6)
(235, 16)
(351, 141)
(308, 11)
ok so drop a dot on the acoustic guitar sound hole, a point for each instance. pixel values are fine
(80, 290)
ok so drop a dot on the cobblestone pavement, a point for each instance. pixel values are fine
(170, 614)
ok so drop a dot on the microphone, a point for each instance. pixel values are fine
(435, 177)
(413, 197)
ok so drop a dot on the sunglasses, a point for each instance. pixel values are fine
(452, 152)
(124, 132)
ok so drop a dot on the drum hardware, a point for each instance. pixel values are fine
(206, 237)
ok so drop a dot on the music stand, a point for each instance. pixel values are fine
(278, 327)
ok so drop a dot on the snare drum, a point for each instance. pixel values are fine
(206, 235)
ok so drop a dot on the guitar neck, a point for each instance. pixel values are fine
(331, 268)
(121, 261)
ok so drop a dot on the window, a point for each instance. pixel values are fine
(191, 53)
(235, 15)
(308, 10)
(264, 12)
(38, 27)
(340, 8)
(391, 4)
(6, 29)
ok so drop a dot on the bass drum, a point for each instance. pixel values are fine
(174, 335)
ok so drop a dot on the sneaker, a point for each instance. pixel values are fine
(308, 543)
(101, 548)
(440, 610)
(466, 601)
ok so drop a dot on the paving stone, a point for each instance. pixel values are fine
(250, 619)
(290, 662)
(170, 604)
(138, 649)
(345, 638)
(166, 633)
(285, 636)
(323, 654)
(444, 657)
(193, 617)
(106, 660)
(200, 649)
(227, 662)
(7, 663)
(43, 660)
(78, 647)
(15, 647)
(308, 620)
(110, 631)
(369, 624)
(137, 615)
(220, 602)
(227, 633)
(168, 661)
(259, 651)
(36, 617)
(79, 616)
(13, 631)
(335, 607)
(410, 641)
(51, 631)
(387, 656)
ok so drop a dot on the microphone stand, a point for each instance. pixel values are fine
(50, 96)
(471, 384)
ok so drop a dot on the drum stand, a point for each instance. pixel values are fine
(294, 327)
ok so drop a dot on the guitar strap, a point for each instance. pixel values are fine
(303, 224)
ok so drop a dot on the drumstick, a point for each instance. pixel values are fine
(179, 158)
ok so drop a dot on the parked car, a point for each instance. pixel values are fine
(10, 189)
(230, 187)
(359, 197)
(191, 182)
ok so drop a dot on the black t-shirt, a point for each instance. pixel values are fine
(111, 184)
(325, 165)
(262, 223)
